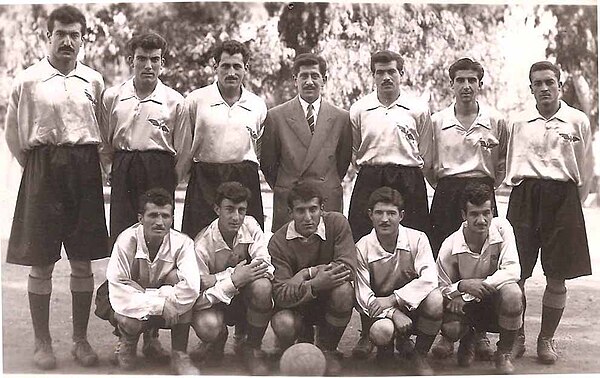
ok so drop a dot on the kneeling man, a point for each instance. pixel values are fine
(153, 281)
(478, 268)
(396, 283)
(236, 274)
(315, 261)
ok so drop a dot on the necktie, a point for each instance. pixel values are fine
(310, 118)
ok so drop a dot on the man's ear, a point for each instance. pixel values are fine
(140, 217)
(531, 88)
(49, 36)
(464, 215)
(217, 210)
(130, 60)
(401, 215)
(324, 79)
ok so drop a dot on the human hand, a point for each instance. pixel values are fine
(476, 287)
(402, 323)
(245, 273)
(330, 276)
(380, 304)
(456, 305)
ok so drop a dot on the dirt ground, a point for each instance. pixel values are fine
(577, 337)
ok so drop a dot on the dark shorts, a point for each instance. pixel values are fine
(446, 216)
(133, 173)
(407, 180)
(547, 214)
(483, 315)
(198, 210)
(60, 201)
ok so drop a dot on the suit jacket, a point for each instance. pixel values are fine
(290, 154)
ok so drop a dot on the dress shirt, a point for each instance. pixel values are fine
(397, 134)
(155, 123)
(559, 148)
(223, 133)
(409, 272)
(498, 262)
(316, 106)
(215, 257)
(478, 150)
(46, 107)
(128, 295)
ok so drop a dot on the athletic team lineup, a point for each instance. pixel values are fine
(455, 268)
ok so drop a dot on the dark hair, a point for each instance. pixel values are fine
(303, 192)
(233, 191)
(309, 59)
(67, 14)
(147, 41)
(385, 194)
(157, 196)
(476, 194)
(542, 66)
(465, 64)
(231, 47)
(386, 57)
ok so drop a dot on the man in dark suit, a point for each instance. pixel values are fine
(306, 139)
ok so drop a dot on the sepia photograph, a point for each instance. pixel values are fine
(299, 188)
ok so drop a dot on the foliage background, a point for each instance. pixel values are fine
(505, 38)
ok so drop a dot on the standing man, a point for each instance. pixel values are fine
(392, 142)
(470, 147)
(315, 261)
(226, 123)
(52, 129)
(306, 139)
(236, 273)
(549, 165)
(153, 281)
(397, 280)
(145, 124)
(478, 270)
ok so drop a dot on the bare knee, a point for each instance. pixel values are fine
(286, 326)
(129, 325)
(208, 324)
(511, 297)
(42, 271)
(260, 294)
(433, 305)
(81, 268)
(342, 298)
(556, 285)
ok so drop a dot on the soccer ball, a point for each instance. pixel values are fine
(302, 360)
(382, 332)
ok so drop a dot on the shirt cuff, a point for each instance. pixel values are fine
(469, 298)
(229, 288)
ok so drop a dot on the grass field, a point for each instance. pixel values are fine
(577, 337)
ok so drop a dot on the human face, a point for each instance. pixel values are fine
(306, 216)
(147, 65)
(231, 216)
(545, 88)
(230, 71)
(478, 218)
(65, 41)
(387, 78)
(156, 220)
(385, 218)
(309, 82)
(466, 86)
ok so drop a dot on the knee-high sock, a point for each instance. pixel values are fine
(82, 291)
(506, 341)
(180, 334)
(553, 305)
(423, 343)
(39, 291)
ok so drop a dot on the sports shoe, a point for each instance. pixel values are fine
(483, 350)
(181, 364)
(546, 351)
(254, 360)
(83, 353)
(333, 359)
(503, 362)
(153, 350)
(519, 346)
(43, 355)
(363, 347)
(466, 350)
(212, 353)
(420, 364)
(405, 346)
(125, 353)
(384, 354)
(443, 349)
